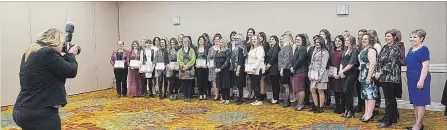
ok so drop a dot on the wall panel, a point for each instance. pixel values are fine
(82, 14)
(14, 43)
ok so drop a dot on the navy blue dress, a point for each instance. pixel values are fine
(414, 61)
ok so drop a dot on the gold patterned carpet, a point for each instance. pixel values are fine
(102, 110)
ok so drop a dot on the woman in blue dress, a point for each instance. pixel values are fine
(417, 61)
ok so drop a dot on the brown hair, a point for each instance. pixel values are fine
(398, 34)
(371, 41)
(393, 34)
(351, 40)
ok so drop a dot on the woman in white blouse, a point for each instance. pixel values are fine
(255, 67)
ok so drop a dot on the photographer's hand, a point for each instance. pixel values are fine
(73, 50)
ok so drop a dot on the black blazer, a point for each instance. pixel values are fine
(272, 58)
(300, 61)
(42, 79)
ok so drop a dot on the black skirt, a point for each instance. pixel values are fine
(285, 79)
(223, 77)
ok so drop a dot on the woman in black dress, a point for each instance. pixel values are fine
(348, 75)
(222, 69)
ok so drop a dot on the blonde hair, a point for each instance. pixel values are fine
(52, 38)
(287, 40)
(224, 43)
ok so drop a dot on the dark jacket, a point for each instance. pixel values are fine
(300, 61)
(272, 58)
(42, 79)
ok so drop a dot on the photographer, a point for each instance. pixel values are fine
(43, 71)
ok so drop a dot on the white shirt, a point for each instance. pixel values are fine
(256, 58)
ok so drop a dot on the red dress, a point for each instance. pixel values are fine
(335, 60)
(135, 85)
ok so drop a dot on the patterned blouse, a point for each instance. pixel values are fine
(161, 56)
(285, 58)
(318, 63)
(388, 62)
(172, 58)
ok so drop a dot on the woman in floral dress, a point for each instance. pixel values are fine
(134, 77)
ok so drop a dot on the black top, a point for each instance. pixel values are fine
(350, 59)
(300, 61)
(272, 58)
(222, 59)
(119, 55)
(42, 79)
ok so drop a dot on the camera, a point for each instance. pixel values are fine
(69, 29)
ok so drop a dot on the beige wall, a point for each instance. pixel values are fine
(149, 19)
(95, 31)
(140, 19)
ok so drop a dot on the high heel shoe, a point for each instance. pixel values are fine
(344, 114)
(367, 120)
(349, 114)
(411, 128)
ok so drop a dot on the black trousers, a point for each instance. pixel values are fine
(378, 99)
(187, 85)
(340, 100)
(225, 93)
(348, 84)
(391, 111)
(162, 83)
(202, 80)
(174, 85)
(37, 119)
(121, 81)
(147, 82)
(307, 93)
(256, 86)
(274, 79)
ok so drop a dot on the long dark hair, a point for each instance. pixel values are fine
(303, 39)
(155, 39)
(342, 39)
(276, 39)
(321, 39)
(246, 35)
(327, 34)
(204, 41)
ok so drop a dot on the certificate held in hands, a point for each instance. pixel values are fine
(119, 64)
(173, 65)
(146, 68)
(134, 63)
(201, 63)
(160, 66)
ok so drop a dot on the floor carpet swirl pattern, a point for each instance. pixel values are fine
(101, 110)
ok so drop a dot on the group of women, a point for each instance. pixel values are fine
(303, 68)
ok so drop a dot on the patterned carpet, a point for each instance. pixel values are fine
(102, 110)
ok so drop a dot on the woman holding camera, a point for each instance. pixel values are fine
(43, 71)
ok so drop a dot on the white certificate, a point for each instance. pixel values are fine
(173, 65)
(211, 64)
(146, 68)
(201, 63)
(314, 74)
(119, 64)
(332, 71)
(135, 63)
(160, 66)
(249, 67)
